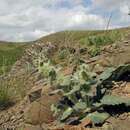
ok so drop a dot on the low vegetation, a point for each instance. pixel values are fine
(94, 43)
(9, 54)
(84, 93)
(93, 40)
(103, 39)
(5, 95)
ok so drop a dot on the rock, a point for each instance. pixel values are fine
(72, 121)
(35, 94)
(126, 41)
(78, 127)
(82, 50)
(127, 88)
(107, 126)
(68, 71)
(31, 127)
(86, 122)
(45, 126)
(32, 113)
(98, 69)
(123, 116)
(57, 129)
(114, 46)
(119, 124)
(52, 126)
(39, 112)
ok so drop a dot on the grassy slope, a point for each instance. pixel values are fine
(9, 53)
(79, 35)
(92, 40)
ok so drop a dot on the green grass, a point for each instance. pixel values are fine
(79, 36)
(9, 54)
(5, 95)
(92, 40)
(103, 39)
(95, 42)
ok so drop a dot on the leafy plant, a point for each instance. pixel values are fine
(114, 100)
(94, 51)
(47, 69)
(98, 118)
(63, 53)
(66, 113)
(80, 99)
(100, 40)
(76, 88)
(83, 92)
(95, 42)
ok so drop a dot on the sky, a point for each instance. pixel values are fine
(27, 20)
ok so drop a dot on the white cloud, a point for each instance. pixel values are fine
(110, 4)
(28, 20)
(86, 20)
(124, 9)
(31, 19)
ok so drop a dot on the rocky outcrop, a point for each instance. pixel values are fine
(34, 111)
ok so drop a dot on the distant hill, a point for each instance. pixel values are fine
(79, 35)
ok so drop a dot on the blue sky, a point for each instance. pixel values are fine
(25, 20)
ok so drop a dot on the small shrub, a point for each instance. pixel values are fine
(63, 54)
(94, 51)
(100, 40)
(83, 95)
(5, 95)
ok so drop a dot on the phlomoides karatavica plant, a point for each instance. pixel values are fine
(84, 93)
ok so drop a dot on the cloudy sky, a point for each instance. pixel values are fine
(24, 20)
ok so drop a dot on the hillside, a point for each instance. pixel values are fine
(9, 54)
(81, 77)
(80, 35)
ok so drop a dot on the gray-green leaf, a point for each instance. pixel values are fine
(114, 100)
(80, 106)
(66, 113)
(98, 118)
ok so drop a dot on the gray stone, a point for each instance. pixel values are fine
(35, 94)
(31, 127)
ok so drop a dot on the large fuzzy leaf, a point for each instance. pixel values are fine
(63, 80)
(86, 87)
(46, 69)
(106, 74)
(57, 91)
(114, 74)
(72, 98)
(120, 71)
(75, 89)
(98, 118)
(66, 113)
(115, 100)
(80, 106)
